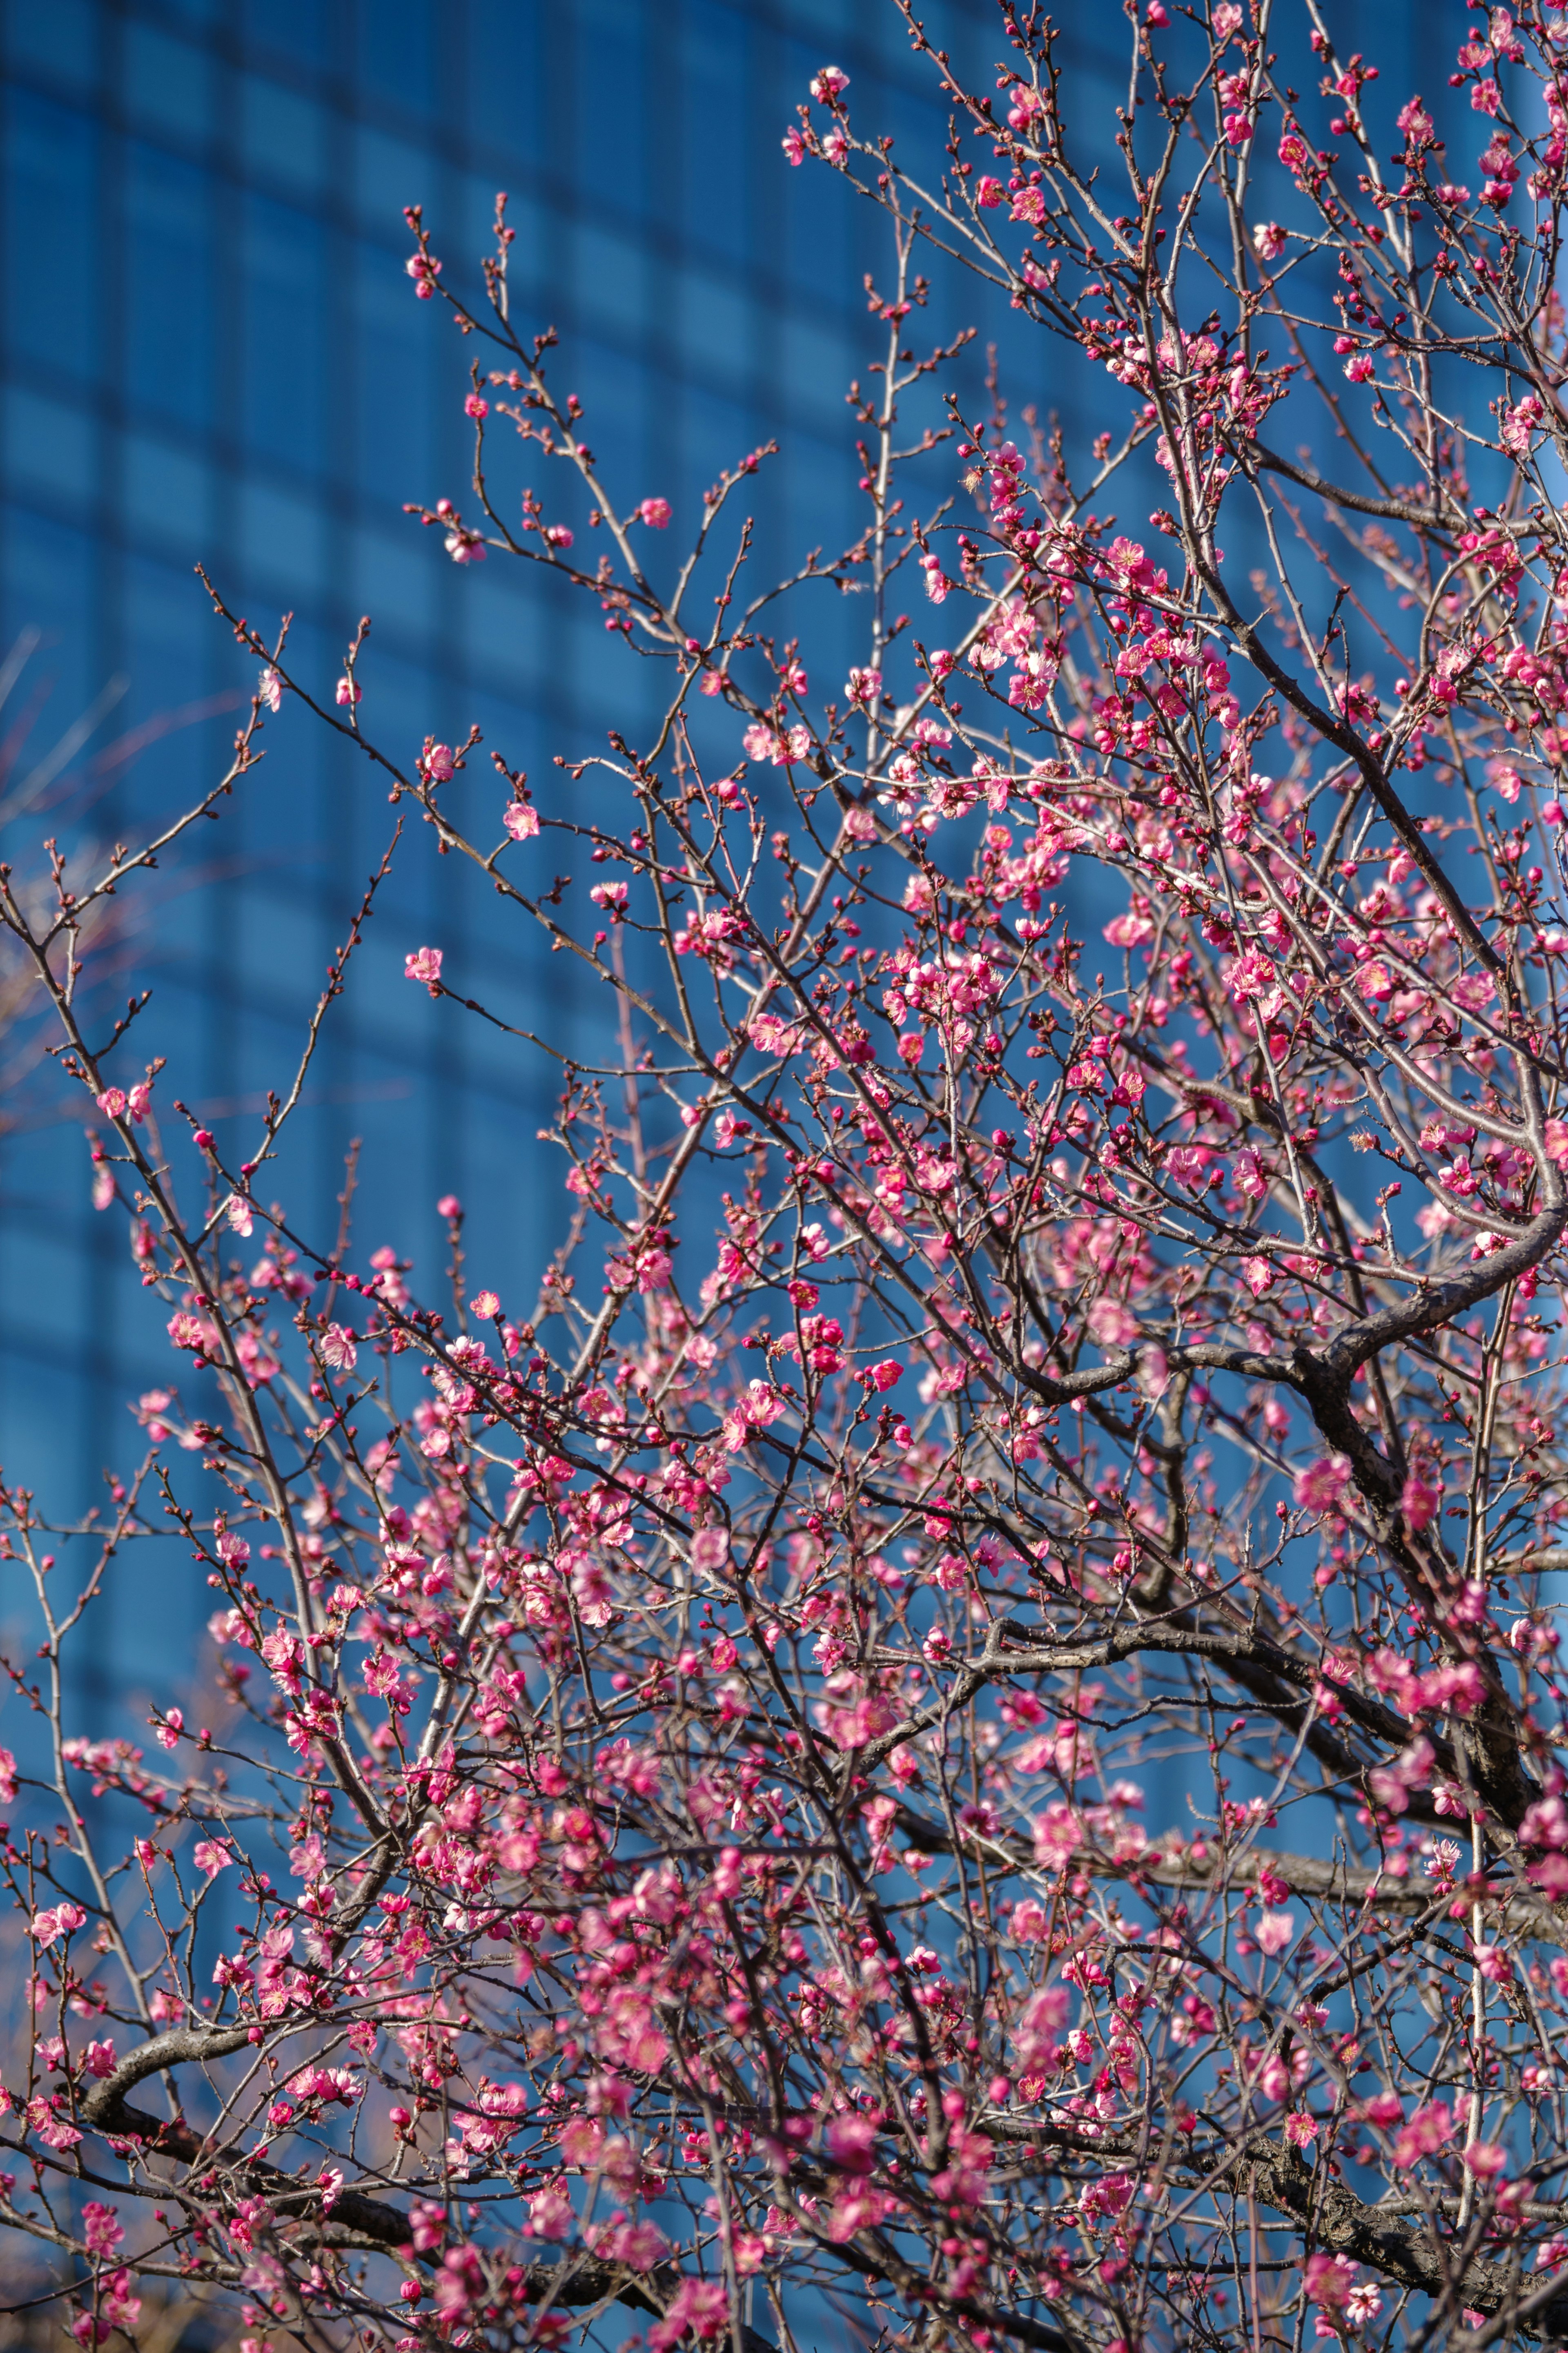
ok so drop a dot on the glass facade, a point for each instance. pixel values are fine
(209, 352)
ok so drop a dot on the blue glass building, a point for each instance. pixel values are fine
(209, 351)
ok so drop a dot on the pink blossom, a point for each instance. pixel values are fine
(44, 2118)
(1274, 1930)
(61, 1920)
(699, 2305)
(1520, 426)
(710, 1549)
(550, 2214)
(1321, 1488)
(1112, 1322)
(119, 2305)
(520, 819)
(938, 586)
(102, 2228)
(1188, 1164)
(317, 2082)
(777, 746)
(1419, 1501)
(851, 2142)
(424, 965)
(339, 1348)
(641, 2246)
(655, 513)
(1329, 2280)
(212, 1855)
(285, 1653)
(1392, 1785)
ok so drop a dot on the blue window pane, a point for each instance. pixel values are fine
(718, 70)
(173, 652)
(506, 86)
(610, 283)
(393, 580)
(505, 634)
(284, 541)
(396, 58)
(169, 285)
(50, 447)
(48, 575)
(61, 40)
(168, 85)
(283, 137)
(292, 29)
(168, 496)
(52, 234)
(610, 86)
(397, 343)
(282, 343)
(390, 174)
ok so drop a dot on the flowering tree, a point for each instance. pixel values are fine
(953, 1737)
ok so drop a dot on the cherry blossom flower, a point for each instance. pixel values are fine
(59, 1920)
(103, 2228)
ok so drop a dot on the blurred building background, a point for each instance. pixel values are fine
(209, 352)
